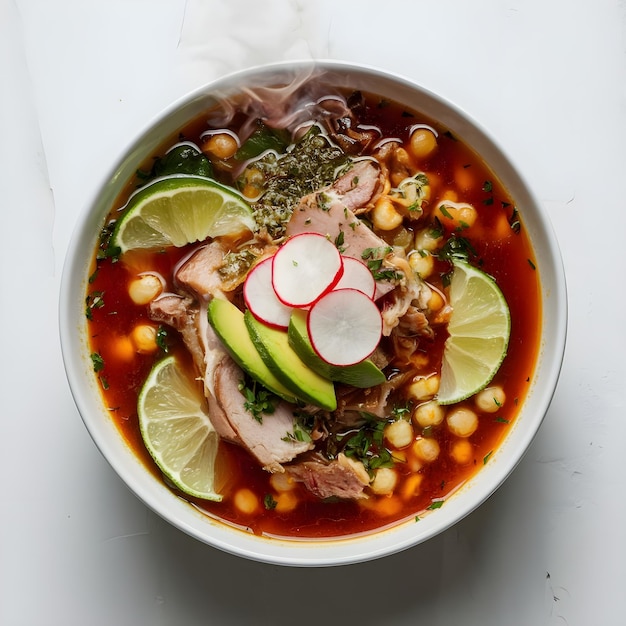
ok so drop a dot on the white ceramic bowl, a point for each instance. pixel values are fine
(330, 552)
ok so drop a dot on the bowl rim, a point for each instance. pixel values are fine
(308, 553)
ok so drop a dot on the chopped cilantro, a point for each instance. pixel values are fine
(400, 412)
(427, 431)
(105, 249)
(455, 249)
(93, 276)
(436, 230)
(367, 444)
(98, 362)
(435, 504)
(339, 241)
(387, 274)
(444, 210)
(302, 428)
(161, 338)
(269, 503)
(514, 221)
(258, 400)
(374, 259)
(323, 201)
(376, 253)
(93, 301)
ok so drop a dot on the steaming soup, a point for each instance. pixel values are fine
(388, 452)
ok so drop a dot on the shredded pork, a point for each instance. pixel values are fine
(333, 212)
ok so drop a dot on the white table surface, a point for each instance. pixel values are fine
(79, 78)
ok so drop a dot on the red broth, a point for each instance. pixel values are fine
(502, 249)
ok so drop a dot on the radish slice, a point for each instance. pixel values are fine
(306, 267)
(260, 298)
(344, 326)
(356, 275)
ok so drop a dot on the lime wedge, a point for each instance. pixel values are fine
(479, 330)
(177, 431)
(178, 210)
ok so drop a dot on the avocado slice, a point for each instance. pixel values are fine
(228, 323)
(363, 374)
(273, 346)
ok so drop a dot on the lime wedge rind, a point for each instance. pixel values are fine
(479, 331)
(177, 432)
(178, 210)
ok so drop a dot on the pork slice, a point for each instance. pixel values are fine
(190, 320)
(267, 440)
(340, 478)
(352, 402)
(413, 291)
(199, 275)
(330, 212)
(182, 314)
(357, 186)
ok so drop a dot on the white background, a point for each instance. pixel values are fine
(79, 78)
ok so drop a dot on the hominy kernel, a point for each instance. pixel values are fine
(462, 451)
(281, 481)
(403, 239)
(426, 240)
(422, 263)
(464, 178)
(255, 177)
(220, 145)
(384, 215)
(389, 505)
(490, 399)
(422, 143)
(254, 180)
(428, 414)
(144, 337)
(400, 167)
(411, 486)
(246, 501)
(424, 387)
(399, 434)
(286, 501)
(426, 449)
(457, 215)
(123, 349)
(144, 288)
(436, 300)
(384, 481)
(414, 464)
(399, 456)
(502, 229)
(450, 195)
(462, 422)
(250, 191)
